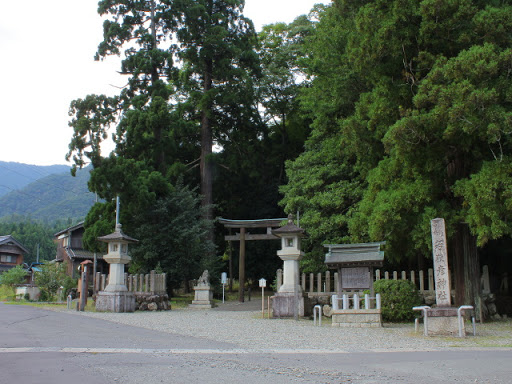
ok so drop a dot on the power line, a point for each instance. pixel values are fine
(42, 182)
(20, 192)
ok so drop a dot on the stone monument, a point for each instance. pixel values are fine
(115, 297)
(290, 301)
(203, 294)
(442, 319)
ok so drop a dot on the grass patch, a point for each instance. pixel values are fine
(90, 307)
(180, 302)
(7, 293)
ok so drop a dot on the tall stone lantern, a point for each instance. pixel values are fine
(115, 297)
(289, 301)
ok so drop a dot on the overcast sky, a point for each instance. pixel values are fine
(47, 60)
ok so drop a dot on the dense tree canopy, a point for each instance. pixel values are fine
(411, 102)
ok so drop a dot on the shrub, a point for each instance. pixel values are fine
(13, 276)
(50, 279)
(7, 293)
(397, 297)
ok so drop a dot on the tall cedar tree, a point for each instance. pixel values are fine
(216, 44)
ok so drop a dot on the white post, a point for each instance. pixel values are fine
(377, 300)
(366, 301)
(262, 302)
(345, 301)
(335, 305)
(356, 301)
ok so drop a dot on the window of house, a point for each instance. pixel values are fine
(8, 259)
(113, 247)
(124, 248)
(289, 242)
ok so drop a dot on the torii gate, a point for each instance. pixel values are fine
(243, 236)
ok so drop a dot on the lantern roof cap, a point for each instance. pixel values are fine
(289, 229)
(118, 235)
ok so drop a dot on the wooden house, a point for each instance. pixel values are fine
(71, 252)
(11, 253)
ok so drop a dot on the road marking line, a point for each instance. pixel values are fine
(170, 351)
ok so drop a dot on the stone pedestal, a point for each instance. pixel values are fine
(357, 318)
(115, 301)
(203, 297)
(283, 305)
(443, 321)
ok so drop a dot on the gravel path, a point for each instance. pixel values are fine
(249, 331)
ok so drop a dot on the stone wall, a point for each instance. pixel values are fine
(151, 302)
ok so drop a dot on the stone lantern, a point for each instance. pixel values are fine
(116, 297)
(289, 300)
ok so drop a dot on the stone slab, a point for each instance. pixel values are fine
(115, 302)
(357, 318)
(443, 321)
(200, 305)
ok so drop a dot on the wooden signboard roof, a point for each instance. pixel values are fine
(353, 255)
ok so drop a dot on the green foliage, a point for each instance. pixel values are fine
(173, 237)
(7, 293)
(13, 276)
(398, 297)
(51, 277)
(487, 204)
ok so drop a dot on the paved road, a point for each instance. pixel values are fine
(40, 346)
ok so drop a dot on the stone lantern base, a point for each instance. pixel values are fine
(283, 305)
(115, 302)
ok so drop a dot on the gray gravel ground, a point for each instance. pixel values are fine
(250, 332)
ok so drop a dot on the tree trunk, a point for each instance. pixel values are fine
(466, 268)
(206, 146)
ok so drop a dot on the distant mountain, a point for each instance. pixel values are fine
(50, 198)
(14, 176)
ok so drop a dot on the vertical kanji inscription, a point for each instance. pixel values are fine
(440, 256)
